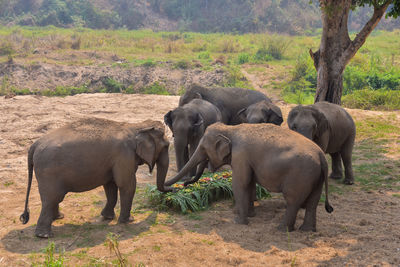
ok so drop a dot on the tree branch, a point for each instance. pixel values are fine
(315, 58)
(361, 37)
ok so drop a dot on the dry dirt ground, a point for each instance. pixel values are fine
(363, 230)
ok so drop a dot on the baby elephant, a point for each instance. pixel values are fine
(261, 112)
(188, 123)
(277, 158)
(89, 153)
(332, 128)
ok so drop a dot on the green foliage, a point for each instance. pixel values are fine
(372, 99)
(243, 58)
(50, 258)
(182, 64)
(235, 78)
(6, 49)
(112, 86)
(200, 195)
(155, 89)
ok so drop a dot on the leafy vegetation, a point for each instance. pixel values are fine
(198, 196)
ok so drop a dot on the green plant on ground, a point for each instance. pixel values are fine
(112, 244)
(112, 86)
(370, 99)
(182, 64)
(198, 196)
(51, 260)
(155, 89)
(243, 58)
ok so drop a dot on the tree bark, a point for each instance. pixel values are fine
(336, 48)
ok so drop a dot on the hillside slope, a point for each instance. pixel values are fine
(283, 16)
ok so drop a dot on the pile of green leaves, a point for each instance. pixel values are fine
(198, 196)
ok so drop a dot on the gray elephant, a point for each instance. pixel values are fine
(261, 112)
(333, 129)
(277, 158)
(93, 152)
(188, 124)
(228, 100)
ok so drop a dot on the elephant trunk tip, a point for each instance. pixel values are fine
(24, 218)
(328, 207)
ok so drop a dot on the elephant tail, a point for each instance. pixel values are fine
(24, 218)
(324, 175)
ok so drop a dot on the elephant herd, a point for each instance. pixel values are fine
(211, 127)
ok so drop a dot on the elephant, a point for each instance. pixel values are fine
(332, 128)
(228, 100)
(277, 158)
(188, 124)
(261, 112)
(89, 153)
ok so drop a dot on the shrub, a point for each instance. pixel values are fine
(155, 89)
(6, 49)
(204, 55)
(373, 99)
(243, 58)
(182, 64)
(262, 55)
(149, 63)
(112, 86)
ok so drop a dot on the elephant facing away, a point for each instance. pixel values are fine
(333, 129)
(261, 112)
(89, 153)
(277, 158)
(228, 100)
(188, 124)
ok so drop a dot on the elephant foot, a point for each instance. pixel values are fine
(252, 213)
(59, 216)
(108, 215)
(125, 220)
(285, 228)
(308, 228)
(348, 181)
(43, 233)
(241, 220)
(335, 176)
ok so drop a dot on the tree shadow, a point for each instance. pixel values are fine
(71, 236)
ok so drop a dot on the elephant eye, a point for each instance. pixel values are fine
(294, 127)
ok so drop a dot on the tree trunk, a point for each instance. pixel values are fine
(336, 48)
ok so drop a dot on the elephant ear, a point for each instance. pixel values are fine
(222, 146)
(322, 123)
(168, 119)
(276, 111)
(242, 115)
(293, 114)
(146, 146)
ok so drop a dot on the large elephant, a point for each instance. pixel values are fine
(332, 128)
(188, 124)
(261, 112)
(93, 152)
(277, 158)
(228, 100)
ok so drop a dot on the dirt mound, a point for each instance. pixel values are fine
(40, 76)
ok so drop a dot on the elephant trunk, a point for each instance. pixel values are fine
(198, 156)
(181, 151)
(162, 169)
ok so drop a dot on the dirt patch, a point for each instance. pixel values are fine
(39, 76)
(363, 230)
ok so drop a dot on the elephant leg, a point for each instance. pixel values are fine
(310, 218)
(337, 171)
(346, 154)
(242, 191)
(59, 214)
(252, 198)
(125, 179)
(111, 191)
(192, 148)
(289, 218)
(49, 212)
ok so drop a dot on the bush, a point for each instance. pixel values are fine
(182, 64)
(373, 99)
(6, 49)
(112, 86)
(298, 92)
(204, 55)
(243, 58)
(262, 55)
(155, 89)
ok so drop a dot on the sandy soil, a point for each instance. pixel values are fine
(364, 229)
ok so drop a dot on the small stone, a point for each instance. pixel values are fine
(363, 222)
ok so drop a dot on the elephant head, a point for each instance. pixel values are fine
(261, 112)
(310, 122)
(152, 149)
(184, 124)
(214, 147)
